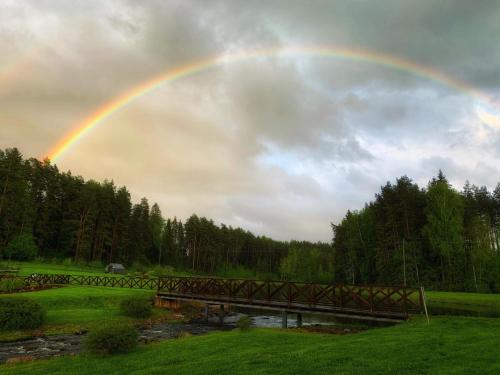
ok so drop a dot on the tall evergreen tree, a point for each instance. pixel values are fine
(444, 230)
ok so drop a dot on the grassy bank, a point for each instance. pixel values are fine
(469, 304)
(72, 309)
(29, 268)
(68, 267)
(447, 346)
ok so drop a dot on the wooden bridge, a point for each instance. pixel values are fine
(382, 303)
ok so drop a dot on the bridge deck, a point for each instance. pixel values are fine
(296, 309)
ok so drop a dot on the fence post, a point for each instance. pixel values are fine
(424, 304)
(372, 304)
(341, 294)
(405, 297)
(289, 292)
(268, 282)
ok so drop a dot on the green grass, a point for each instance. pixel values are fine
(72, 309)
(447, 346)
(450, 345)
(456, 303)
(28, 268)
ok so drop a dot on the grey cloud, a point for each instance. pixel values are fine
(279, 146)
(457, 173)
(275, 104)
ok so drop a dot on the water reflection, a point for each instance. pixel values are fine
(272, 319)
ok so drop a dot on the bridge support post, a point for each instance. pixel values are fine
(221, 316)
(284, 319)
(299, 320)
(206, 312)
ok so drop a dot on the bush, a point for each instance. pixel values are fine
(20, 313)
(244, 323)
(22, 247)
(163, 271)
(111, 339)
(67, 262)
(137, 307)
(182, 335)
(11, 284)
(139, 267)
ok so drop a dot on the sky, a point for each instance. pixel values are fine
(281, 145)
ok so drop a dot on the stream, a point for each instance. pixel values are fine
(71, 344)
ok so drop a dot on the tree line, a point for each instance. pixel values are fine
(434, 236)
(437, 236)
(65, 216)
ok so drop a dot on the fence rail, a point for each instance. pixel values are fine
(388, 301)
(109, 281)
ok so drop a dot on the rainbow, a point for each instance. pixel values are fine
(175, 74)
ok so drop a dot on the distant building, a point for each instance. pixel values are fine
(115, 268)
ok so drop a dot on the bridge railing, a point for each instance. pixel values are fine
(369, 299)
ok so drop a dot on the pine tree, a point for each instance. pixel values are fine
(444, 230)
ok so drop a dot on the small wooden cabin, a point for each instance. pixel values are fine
(115, 268)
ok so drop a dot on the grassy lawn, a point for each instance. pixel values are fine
(72, 309)
(448, 346)
(28, 268)
(475, 304)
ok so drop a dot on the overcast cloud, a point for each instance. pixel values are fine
(280, 146)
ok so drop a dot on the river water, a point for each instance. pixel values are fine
(70, 344)
(273, 319)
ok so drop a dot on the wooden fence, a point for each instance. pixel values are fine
(371, 300)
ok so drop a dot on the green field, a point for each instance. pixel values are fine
(28, 268)
(468, 304)
(448, 346)
(72, 309)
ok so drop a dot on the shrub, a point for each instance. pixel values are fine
(95, 264)
(67, 262)
(182, 335)
(11, 284)
(22, 247)
(137, 307)
(139, 267)
(244, 323)
(20, 313)
(111, 339)
(163, 271)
